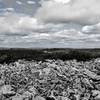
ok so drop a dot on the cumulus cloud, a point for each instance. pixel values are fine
(17, 23)
(57, 23)
(62, 1)
(77, 11)
(22, 28)
(92, 29)
(19, 2)
(7, 10)
(31, 2)
(11, 23)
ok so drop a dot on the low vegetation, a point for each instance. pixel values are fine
(11, 55)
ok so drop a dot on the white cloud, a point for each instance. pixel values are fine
(17, 23)
(18, 28)
(92, 29)
(62, 1)
(19, 2)
(77, 11)
(31, 2)
(7, 9)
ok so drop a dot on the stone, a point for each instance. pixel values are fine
(38, 98)
(6, 90)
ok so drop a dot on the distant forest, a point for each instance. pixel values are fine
(11, 55)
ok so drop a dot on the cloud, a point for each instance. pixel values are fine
(7, 10)
(17, 23)
(31, 2)
(14, 24)
(19, 2)
(18, 29)
(92, 29)
(62, 1)
(76, 11)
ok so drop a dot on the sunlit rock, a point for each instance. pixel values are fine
(6, 90)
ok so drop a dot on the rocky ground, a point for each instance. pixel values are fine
(50, 80)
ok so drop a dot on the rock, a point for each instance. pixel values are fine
(46, 70)
(1, 83)
(95, 92)
(91, 74)
(6, 90)
(77, 97)
(32, 90)
(62, 98)
(87, 83)
(97, 97)
(17, 97)
(38, 98)
(20, 91)
(27, 95)
(86, 96)
(50, 98)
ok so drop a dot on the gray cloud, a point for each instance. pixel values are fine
(56, 23)
(20, 28)
(76, 11)
(92, 29)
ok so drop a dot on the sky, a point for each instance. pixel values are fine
(50, 23)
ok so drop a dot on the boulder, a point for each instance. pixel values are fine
(17, 97)
(38, 98)
(6, 90)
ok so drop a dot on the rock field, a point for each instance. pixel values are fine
(50, 80)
